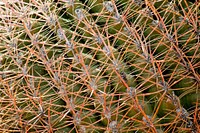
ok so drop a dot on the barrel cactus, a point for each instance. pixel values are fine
(95, 66)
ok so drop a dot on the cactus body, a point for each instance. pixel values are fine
(99, 66)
